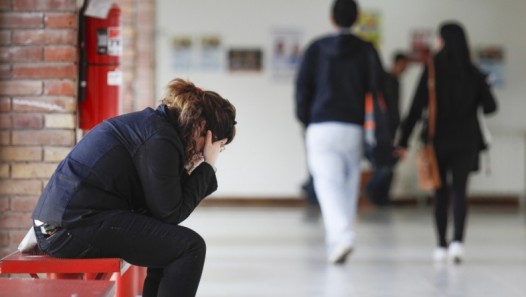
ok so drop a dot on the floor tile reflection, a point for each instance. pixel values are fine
(274, 252)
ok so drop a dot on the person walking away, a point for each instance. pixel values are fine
(378, 188)
(330, 89)
(461, 89)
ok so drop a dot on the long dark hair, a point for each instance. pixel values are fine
(456, 48)
(195, 105)
(454, 70)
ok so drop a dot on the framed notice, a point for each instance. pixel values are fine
(490, 59)
(421, 44)
(245, 59)
(182, 53)
(286, 53)
(211, 53)
(367, 27)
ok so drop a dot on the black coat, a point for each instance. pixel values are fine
(133, 162)
(392, 99)
(457, 125)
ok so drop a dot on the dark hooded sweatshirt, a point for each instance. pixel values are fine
(333, 78)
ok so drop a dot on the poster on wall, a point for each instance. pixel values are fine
(421, 44)
(243, 59)
(286, 53)
(211, 54)
(197, 53)
(367, 27)
(490, 59)
(182, 53)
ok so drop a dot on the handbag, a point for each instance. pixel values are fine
(427, 168)
(426, 161)
(379, 144)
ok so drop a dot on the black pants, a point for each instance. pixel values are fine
(310, 193)
(455, 167)
(174, 254)
(378, 189)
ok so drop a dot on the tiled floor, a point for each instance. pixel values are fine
(274, 252)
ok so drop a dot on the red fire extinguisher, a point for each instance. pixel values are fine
(100, 77)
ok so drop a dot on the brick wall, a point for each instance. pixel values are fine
(138, 60)
(38, 95)
(38, 76)
(144, 92)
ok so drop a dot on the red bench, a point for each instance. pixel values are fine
(27, 287)
(128, 278)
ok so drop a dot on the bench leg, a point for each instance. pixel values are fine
(65, 275)
(124, 284)
(97, 276)
(141, 275)
(130, 284)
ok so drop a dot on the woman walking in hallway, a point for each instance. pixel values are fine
(461, 89)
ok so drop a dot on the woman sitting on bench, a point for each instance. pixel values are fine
(125, 187)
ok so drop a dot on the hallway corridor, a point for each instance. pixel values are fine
(274, 252)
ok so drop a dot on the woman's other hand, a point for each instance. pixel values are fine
(400, 152)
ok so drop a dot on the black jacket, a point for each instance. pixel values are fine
(392, 99)
(334, 75)
(457, 126)
(133, 162)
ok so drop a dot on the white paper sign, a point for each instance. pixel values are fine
(114, 78)
(114, 41)
(98, 8)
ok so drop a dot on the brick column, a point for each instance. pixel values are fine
(138, 61)
(38, 78)
(38, 95)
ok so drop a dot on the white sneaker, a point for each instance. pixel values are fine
(456, 252)
(339, 254)
(440, 254)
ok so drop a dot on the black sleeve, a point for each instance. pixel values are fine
(391, 95)
(170, 193)
(305, 86)
(418, 104)
(486, 98)
(378, 80)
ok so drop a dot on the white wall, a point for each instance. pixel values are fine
(267, 158)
